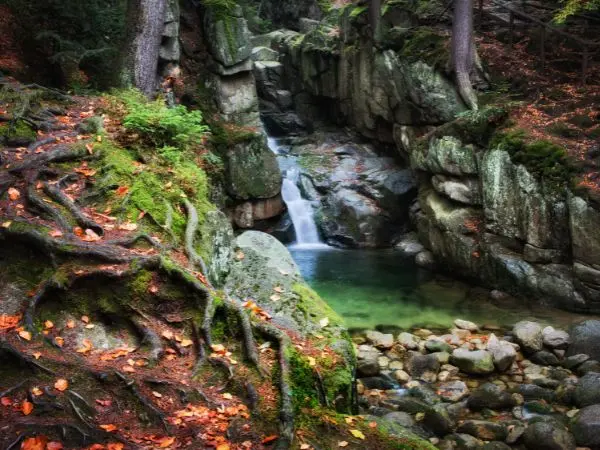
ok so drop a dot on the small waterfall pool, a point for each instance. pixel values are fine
(383, 288)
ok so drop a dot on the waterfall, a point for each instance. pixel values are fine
(300, 210)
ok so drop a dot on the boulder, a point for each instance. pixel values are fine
(462, 190)
(553, 338)
(252, 170)
(587, 391)
(423, 367)
(484, 430)
(410, 341)
(438, 420)
(479, 362)
(367, 364)
(585, 337)
(490, 396)
(534, 392)
(217, 230)
(434, 346)
(529, 336)
(446, 155)
(410, 245)
(401, 418)
(503, 353)
(544, 358)
(380, 340)
(227, 36)
(574, 361)
(548, 436)
(586, 427)
(453, 391)
(466, 325)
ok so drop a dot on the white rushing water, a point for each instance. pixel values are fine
(300, 210)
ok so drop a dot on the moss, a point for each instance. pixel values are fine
(426, 44)
(20, 130)
(543, 159)
(140, 283)
(310, 303)
(563, 130)
(303, 381)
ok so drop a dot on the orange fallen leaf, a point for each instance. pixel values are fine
(165, 442)
(104, 402)
(128, 226)
(25, 335)
(157, 394)
(54, 445)
(186, 342)
(115, 445)
(71, 324)
(86, 346)
(59, 341)
(109, 427)
(13, 194)
(269, 439)
(61, 385)
(128, 369)
(34, 443)
(343, 444)
(122, 190)
(90, 148)
(78, 231)
(55, 233)
(37, 391)
(48, 324)
(223, 447)
(26, 407)
(5, 401)
(85, 319)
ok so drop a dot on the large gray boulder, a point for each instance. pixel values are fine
(558, 339)
(586, 427)
(227, 36)
(490, 396)
(546, 435)
(529, 336)
(587, 391)
(585, 339)
(252, 170)
(478, 362)
(445, 155)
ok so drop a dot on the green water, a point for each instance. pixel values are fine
(383, 289)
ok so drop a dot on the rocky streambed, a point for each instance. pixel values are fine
(470, 387)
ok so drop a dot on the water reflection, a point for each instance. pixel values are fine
(384, 289)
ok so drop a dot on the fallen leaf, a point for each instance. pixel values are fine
(275, 297)
(223, 447)
(34, 443)
(85, 319)
(304, 447)
(86, 345)
(90, 148)
(167, 334)
(26, 407)
(48, 324)
(271, 438)
(372, 424)
(71, 324)
(165, 442)
(157, 394)
(54, 445)
(128, 226)
(6, 224)
(324, 322)
(227, 396)
(61, 385)
(122, 190)
(186, 343)
(343, 444)
(311, 361)
(109, 427)
(37, 355)
(89, 326)
(357, 434)
(115, 445)
(240, 255)
(55, 233)
(25, 335)
(37, 391)
(278, 289)
(90, 236)
(13, 194)
(128, 369)
(59, 341)
(5, 401)
(217, 348)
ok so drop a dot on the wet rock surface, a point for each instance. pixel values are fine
(469, 388)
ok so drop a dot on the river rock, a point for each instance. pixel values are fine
(490, 396)
(544, 358)
(556, 339)
(423, 367)
(586, 427)
(381, 383)
(479, 362)
(438, 420)
(453, 391)
(410, 244)
(466, 325)
(495, 445)
(534, 392)
(367, 364)
(482, 429)
(434, 346)
(548, 436)
(503, 353)
(571, 362)
(408, 340)
(587, 391)
(462, 441)
(589, 366)
(401, 418)
(401, 376)
(585, 337)
(529, 336)
(380, 340)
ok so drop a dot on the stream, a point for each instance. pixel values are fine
(384, 289)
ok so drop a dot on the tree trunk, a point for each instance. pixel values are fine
(374, 15)
(463, 50)
(145, 24)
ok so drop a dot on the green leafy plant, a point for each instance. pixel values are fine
(160, 126)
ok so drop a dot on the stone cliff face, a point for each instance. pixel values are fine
(479, 213)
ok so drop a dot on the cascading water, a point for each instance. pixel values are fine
(300, 210)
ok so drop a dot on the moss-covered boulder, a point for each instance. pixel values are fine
(227, 36)
(252, 170)
(264, 271)
(446, 155)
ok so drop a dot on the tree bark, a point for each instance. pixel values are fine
(145, 24)
(463, 50)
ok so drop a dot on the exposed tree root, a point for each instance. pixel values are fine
(130, 241)
(155, 413)
(59, 154)
(250, 349)
(190, 233)
(84, 221)
(47, 210)
(28, 360)
(149, 337)
(37, 144)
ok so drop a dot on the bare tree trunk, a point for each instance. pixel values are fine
(374, 15)
(145, 23)
(463, 50)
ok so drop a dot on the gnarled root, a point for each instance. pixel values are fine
(190, 232)
(59, 197)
